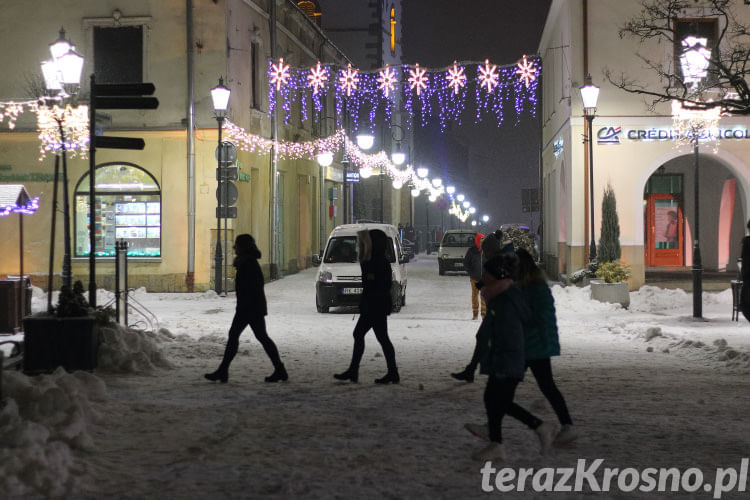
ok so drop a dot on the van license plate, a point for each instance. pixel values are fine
(459, 264)
(351, 291)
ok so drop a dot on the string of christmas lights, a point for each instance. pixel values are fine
(27, 208)
(426, 93)
(10, 110)
(75, 122)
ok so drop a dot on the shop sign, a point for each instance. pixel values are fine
(612, 135)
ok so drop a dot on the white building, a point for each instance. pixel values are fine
(634, 148)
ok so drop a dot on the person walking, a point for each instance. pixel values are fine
(374, 306)
(473, 266)
(501, 345)
(542, 340)
(745, 291)
(251, 310)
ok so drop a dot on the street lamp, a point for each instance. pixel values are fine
(220, 98)
(62, 78)
(450, 190)
(460, 198)
(589, 95)
(422, 172)
(437, 182)
(485, 218)
(365, 141)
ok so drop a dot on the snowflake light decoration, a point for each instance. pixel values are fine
(488, 76)
(526, 71)
(456, 77)
(317, 78)
(349, 79)
(279, 74)
(386, 80)
(417, 79)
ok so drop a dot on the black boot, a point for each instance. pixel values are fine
(390, 378)
(220, 375)
(467, 375)
(279, 373)
(349, 374)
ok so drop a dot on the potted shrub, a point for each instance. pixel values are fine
(612, 285)
(67, 337)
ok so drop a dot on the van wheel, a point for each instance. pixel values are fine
(441, 271)
(321, 309)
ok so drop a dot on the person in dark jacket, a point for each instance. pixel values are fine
(473, 266)
(542, 340)
(374, 306)
(251, 310)
(501, 343)
(745, 291)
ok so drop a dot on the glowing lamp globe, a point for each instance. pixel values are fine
(398, 158)
(71, 66)
(220, 98)
(473, 223)
(472, 210)
(467, 204)
(325, 159)
(433, 198)
(450, 190)
(437, 182)
(415, 192)
(485, 218)
(422, 172)
(397, 184)
(365, 172)
(59, 47)
(460, 198)
(365, 141)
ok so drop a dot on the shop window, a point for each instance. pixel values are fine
(127, 206)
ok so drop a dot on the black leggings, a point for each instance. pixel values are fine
(498, 401)
(379, 324)
(542, 370)
(258, 325)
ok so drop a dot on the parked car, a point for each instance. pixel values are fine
(409, 248)
(453, 248)
(339, 278)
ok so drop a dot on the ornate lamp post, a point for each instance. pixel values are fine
(589, 96)
(220, 98)
(62, 77)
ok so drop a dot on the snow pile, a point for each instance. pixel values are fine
(42, 421)
(578, 299)
(126, 350)
(718, 351)
(654, 299)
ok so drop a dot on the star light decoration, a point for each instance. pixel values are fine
(488, 76)
(387, 80)
(456, 77)
(526, 71)
(317, 78)
(348, 79)
(279, 74)
(417, 79)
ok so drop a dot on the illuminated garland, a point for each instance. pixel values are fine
(458, 211)
(10, 110)
(426, 94)
(27, 208)
(75, 126)
(695, 125)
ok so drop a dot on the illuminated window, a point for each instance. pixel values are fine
(393, 31)
(128, 206)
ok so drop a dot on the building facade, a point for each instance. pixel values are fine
(636, 150)
(163, 200)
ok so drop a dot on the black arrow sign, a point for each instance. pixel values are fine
(118, 89)
(126, 102)
(108, 142)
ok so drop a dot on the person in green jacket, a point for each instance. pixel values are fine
(542, 341)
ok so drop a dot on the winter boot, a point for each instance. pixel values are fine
(350, 374)
(545, 432)
(567, 435)
(279, 373)
(493, 451)
(220, 375)
(467, 375)
(390, 378)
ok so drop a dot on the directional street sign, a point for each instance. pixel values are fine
(226, 212)
(226, 174)
(228, 153)
(226, 193)
(106, 142)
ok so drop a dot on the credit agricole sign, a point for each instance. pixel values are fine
(617, 135)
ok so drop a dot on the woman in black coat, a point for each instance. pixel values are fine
(745, 293)
(251, 310)
(375, 305)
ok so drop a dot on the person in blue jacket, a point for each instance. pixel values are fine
(501, 351)
(251, 310)
(542, 340)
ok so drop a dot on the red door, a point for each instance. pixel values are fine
(665, 235)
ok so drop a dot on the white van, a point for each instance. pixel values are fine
(339, 278)
(453, 248)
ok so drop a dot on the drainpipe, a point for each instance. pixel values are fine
(190, 278)
(275, 271)
(586, 209)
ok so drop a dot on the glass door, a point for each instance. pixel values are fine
(665, 235)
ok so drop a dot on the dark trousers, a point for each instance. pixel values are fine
(258, 324)
(379, 324)
(542, 370)
(498, 401)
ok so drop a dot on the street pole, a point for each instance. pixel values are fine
(67, 271)
(428, 239)
(592, 246)
(217, 253)
(382, 209)
(697, 264)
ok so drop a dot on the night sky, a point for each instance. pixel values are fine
(489, 164)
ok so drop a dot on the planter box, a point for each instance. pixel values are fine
(49, 342)
(614, 293)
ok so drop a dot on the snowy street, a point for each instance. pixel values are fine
(646, 387)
